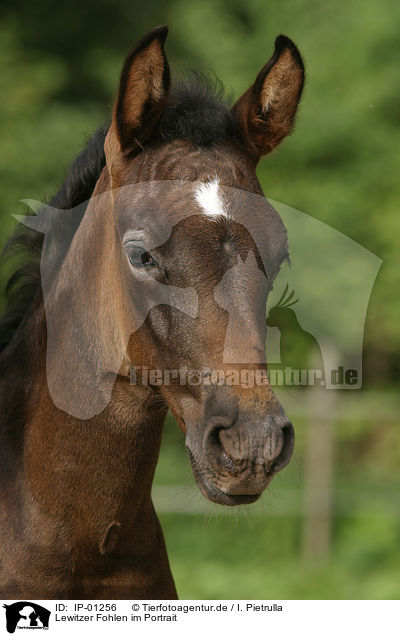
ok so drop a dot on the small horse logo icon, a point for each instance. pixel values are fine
(26, 615)
(299, 349)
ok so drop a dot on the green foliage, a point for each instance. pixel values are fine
(260, 559)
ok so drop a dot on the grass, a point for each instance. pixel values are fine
(260, 558)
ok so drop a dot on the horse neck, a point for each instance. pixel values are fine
(95, 471)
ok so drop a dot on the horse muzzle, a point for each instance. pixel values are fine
(234, 459)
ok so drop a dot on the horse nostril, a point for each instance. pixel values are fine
(228, 445)
(287, 447)
(229, 441)
(222, 442)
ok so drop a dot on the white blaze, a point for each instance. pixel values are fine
(209, 199)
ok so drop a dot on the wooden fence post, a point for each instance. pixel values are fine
(318, 469)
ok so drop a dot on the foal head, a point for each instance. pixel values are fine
(190, 214)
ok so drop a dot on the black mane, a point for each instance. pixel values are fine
(195, 109)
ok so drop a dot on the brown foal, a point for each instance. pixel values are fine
(161, 271)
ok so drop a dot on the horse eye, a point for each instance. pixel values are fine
(138, 257)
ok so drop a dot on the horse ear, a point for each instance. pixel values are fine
(143, 87)
(266, 112)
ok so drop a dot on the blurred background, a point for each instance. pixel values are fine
(329, 525)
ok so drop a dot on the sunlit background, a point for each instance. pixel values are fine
(329, 525)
